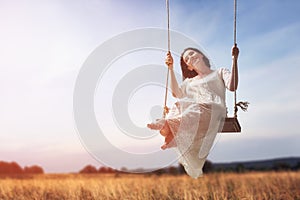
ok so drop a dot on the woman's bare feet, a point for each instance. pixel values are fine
(168, 145)
(164, 146)
(165, 131)
(157, 125)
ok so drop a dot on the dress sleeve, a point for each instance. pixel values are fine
(226, 76)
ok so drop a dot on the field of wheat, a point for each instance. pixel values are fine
(254, 185)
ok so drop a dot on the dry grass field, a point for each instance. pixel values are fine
(254, 185)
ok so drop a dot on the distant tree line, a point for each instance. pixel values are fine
(15, 168)
(207, 168)
(240, 167)
(89, 169)
(174, 170)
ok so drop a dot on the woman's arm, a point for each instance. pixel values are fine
(234, 78)
(176, 90)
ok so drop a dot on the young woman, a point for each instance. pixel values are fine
(198, 115)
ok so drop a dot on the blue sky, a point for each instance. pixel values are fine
(45, 43)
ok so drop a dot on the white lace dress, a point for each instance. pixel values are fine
(197, 117)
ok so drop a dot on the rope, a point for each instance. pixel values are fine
(235, 61)
(234, 23)
(166, 109)
(168, 19)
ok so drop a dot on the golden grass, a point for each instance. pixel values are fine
(250, 186)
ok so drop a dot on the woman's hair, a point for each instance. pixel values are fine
(186, 73)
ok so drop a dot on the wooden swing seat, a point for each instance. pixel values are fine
(231, 125)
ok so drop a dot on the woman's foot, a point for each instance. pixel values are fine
(161, 125)
(168, 145)
(165, 131)
(164, 146)
(157, 125)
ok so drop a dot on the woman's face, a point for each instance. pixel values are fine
(194, 60)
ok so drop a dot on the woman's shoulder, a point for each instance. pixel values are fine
(222, 71)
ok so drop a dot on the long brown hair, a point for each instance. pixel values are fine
(186, 73)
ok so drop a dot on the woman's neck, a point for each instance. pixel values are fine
(204, 72)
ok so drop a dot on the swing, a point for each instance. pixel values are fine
(231, 124)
